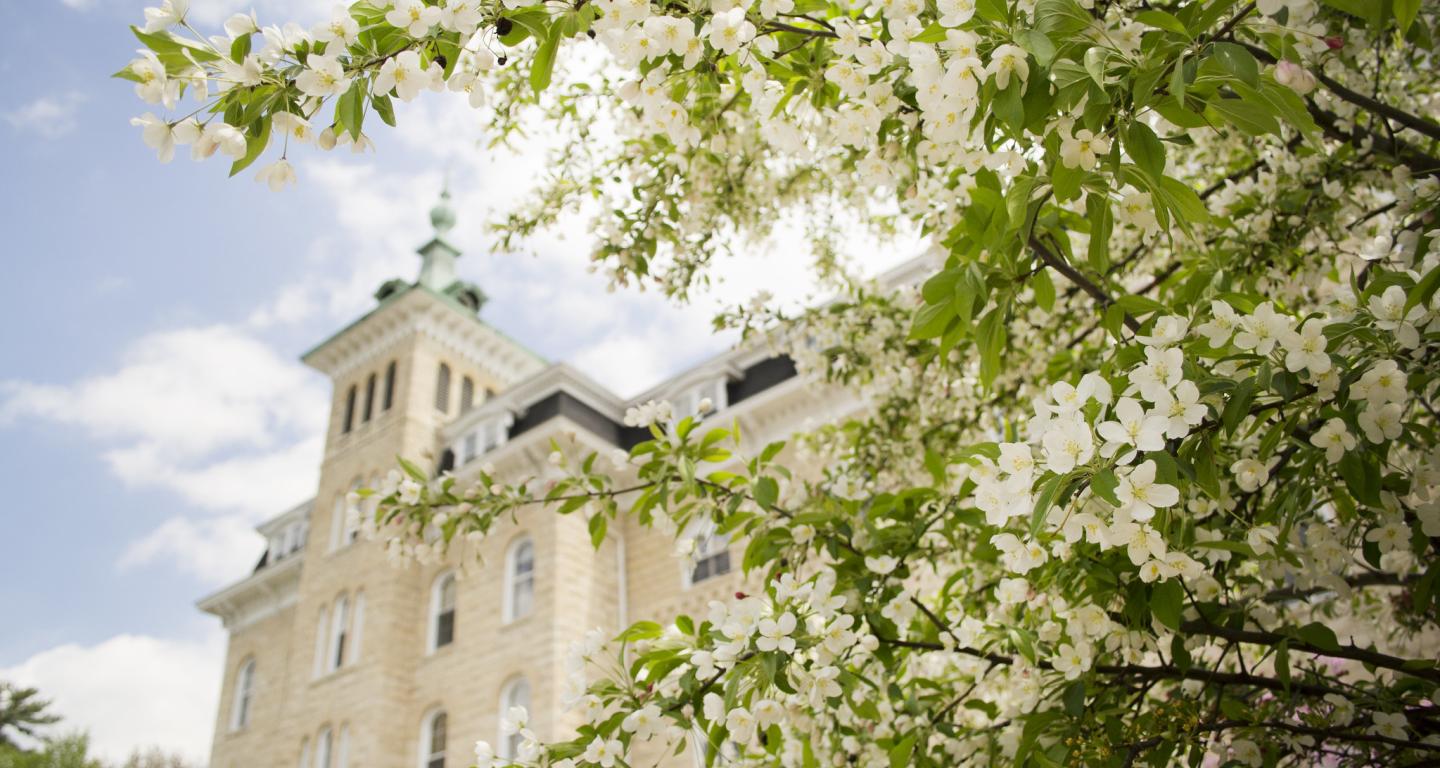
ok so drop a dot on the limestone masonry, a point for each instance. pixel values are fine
(337, 659)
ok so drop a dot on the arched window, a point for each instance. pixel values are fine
(339, 628)
(389, 386)
(305, 753)
(324, 749)
(520, 579)
(351, 517)
(349, 409)
(442, 389)
(447, 462)
(467, 394)
(343, 754)
(337, 523)
(321, 633)
(442, 612)
(244, 695)
(433, 735)
(515, 693)
(711, 553)
(369, 397)
(357, 631)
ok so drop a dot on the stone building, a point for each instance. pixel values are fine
(338, 659)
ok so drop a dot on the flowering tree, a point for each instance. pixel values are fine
(1148, 472)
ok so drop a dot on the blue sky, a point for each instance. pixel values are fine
(152, 408)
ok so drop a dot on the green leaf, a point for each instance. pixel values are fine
(1038, 44)
(1182, 201)
(1405, 12)
(385, 108)
(996, 11)
(1237, 405)
(1104, 484)
(1244, 115)
(1095, 64)
(1146, 149)
(1009, 106)
(767, 491)
(1319, 636)
(900, 753)
(1044, 289)
(931, 320)
(990, 337)
(239, 49)
(1102, 223)
(1162, 20)
(255, 143)
(543, 65)
(1237, 61)
(1423, 290)
(1166, 603)
(597, 530)
(1282, 663)
(1074, 698)
(350, 108)
(1362, 477)
(931, 35)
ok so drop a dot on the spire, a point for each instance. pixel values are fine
(437, 257)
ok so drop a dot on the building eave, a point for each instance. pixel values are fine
(417, 309)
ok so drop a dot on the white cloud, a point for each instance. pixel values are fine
(212, 414)
(48, 117)
(217, 551)
(132, 691)
(183, 394)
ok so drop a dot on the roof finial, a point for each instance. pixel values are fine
(442, 216)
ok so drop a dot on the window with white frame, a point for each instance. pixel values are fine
(515, 693)
(339, 629)
(357, 627)
(305, 752)
(441, 630)
(352, 516)
(244, 696)
(519, 579)
(342, 756)
(324, 749)
(321, 636)
(485, 437)
(710, 555)
(434, 733)
(688, 402)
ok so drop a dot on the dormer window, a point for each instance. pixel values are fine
(484, 438)
(688, 402)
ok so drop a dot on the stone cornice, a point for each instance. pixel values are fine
(419, 311)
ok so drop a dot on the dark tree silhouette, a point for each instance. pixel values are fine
(22, 712)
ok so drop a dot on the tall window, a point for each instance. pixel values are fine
(467, 394)
(442, 612)
(442, 389)
(244, 694)
(389, 386)
(324, 749)
(712, 553)
(305, 753)
(320, 644)
(369, 397)
(520, 579)
(516, 693)
(343, 754)
(339, 628)
(357, 630)
(433, 734)
(349, 409)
